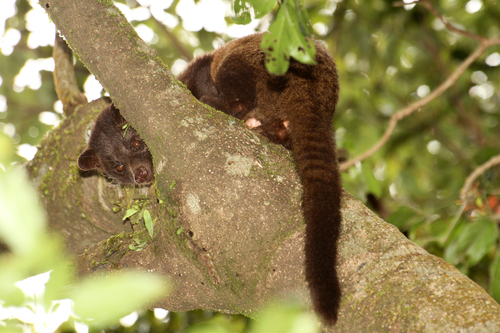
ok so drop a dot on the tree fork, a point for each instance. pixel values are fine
(228, 229)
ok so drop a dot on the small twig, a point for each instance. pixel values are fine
(464, 192)
(450, 26)
(473, 176)
(182, 49)
(456, 218)
(402, 3)
(433, 10)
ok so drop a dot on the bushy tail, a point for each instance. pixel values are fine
(313, 147)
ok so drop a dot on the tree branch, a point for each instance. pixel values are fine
(228, 225)
(64, 77)
(448, 25)
(173, 38)
(405, 112)
(473, 176)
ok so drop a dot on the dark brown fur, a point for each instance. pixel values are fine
(295, 110)
(119, 152)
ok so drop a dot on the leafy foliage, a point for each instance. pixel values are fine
(285, 318)
(114, 292)
(139, 212)
(99, 302)
(287, 34)
(387, 57)
(242, 10)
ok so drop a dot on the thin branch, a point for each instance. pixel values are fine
(450, 26)
(464, 192)
(180, 47)
(64, 77)
(453, 224)
(433, 10)
(473, 176)
(405, 112)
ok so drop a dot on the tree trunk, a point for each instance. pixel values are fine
(226, 204)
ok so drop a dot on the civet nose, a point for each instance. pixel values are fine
(141, 175)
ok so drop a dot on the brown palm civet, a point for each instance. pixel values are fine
(116, 149)
(295, 110)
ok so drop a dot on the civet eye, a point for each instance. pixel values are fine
(119, 168)
(136, 144)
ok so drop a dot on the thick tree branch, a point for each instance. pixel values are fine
(228, 225)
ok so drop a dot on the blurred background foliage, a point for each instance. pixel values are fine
(387, 57)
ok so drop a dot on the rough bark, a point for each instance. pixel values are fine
(226, 204)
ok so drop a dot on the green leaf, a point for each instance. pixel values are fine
(102, 301)
(47, 257)
(12, 327)
(22, 220)
(138, 240)
(137, 248)
(180, 230)
(7, 151)
(260, 8)
(22, 229)
(263, 7)
(148, 222)
(454, 252)
(473, 242)
(139, 244)
(372, 182)
(207, 327)
(285, 318)
(125, 127)
(61, 276)
(495, 277)
(485, 235)
(401, 216)
(426, 231)
(241, 12)
(286, 38)
(130, 212)
(11, 271)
